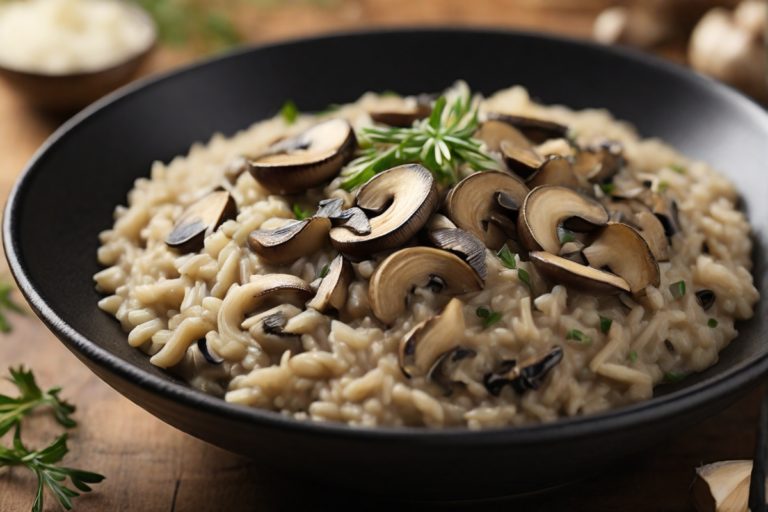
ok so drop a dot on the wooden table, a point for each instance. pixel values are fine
(150, 466)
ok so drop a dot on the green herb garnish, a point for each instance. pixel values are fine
(607, 188)
(522, 275)
(679, 169)
(12, 409)
(677, 289)
(565, 235)
(7, 304)
(633, 356)
(289, 112)
(605, 324)
(441, 143)
(389, 94)
(662, 186)
(323, 271)
(488, 316)
(299, 212)
(43, 464)
(712, 322)
(672, 377)
(507, 257)
(578, 336)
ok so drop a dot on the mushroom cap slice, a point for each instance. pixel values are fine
(473, 201)
(620, 248)
(524, 376)
(463, 244)
(535, 130)
(635, 213)
(262, 292)
(567, 272)
(556, 170)
(400, 112)
(421, 349)
(546, 207)
(493, 133)
(290, 242)
(333, 289)
(401, 271)
(306, 160)
(201, 219)
(403, 197)
(599, 163)
(523, 160)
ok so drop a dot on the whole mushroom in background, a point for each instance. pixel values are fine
(727, 39)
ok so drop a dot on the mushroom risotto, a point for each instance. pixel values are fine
(430, 261)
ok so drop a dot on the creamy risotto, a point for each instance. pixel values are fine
(430, 261)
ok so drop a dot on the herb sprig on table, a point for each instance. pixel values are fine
(441, 143)
(41, 462)
(7, 304)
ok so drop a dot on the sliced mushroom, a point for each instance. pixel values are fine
(635, 213)
(522, 377)
(666, 211)
(402, 199)
(480, 202)
(620, 248)
(535, 130)
(723, 486)
(420, 350)
(353, 219)
(599, 163)
(268, 329)
(200, 220)
(209, 355)
(290, 242)
(556, 170)
(463, 244)
(523, 160)
(587, 279)
(402, 112)
(401, 271)
(330, 208)
(493, 133)
(306, 160)
(443, 371)
(262, 293)
(546, 208)
(333, 289)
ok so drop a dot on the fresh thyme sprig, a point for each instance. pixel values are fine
(7, 304)
(441, 142)
(31, 397)
(43, 464)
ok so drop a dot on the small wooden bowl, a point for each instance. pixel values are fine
(69, 92)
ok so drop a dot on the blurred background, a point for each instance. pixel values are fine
(725, 38)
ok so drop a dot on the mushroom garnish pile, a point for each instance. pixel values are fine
(435, 196)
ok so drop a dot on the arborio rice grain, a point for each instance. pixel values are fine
(348, 371)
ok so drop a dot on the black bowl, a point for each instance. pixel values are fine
(67, 194)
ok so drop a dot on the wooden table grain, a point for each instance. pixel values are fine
(151, 466)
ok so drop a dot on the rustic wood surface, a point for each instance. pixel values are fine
(150, 466)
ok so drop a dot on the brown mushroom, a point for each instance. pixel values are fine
(401, 271)
(401, 112)
(523, 160)
(570, 273)
(493, 133)
(524, 376)
(268, 329)
(556, 170)
(480, 203)
(599, 163)
(535, 130)
(290, 242)
(723, 486)
(443, 372)
(463, 244)
(639, 216)
(421, 349)
(620, 248)
(306, 160)
(401, 200)
(333, 289)
(353, 218)
(546, 208)
(200, 220)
